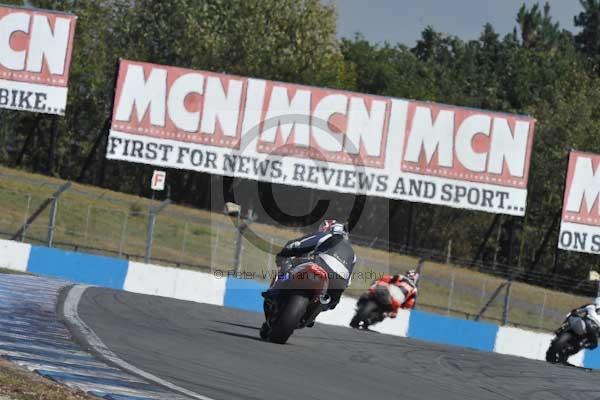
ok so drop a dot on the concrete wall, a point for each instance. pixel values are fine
(176, 283)
(14, 255)
(245, 294)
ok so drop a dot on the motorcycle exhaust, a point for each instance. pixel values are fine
(325, 299)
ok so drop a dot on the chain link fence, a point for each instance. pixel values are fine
(97, 221)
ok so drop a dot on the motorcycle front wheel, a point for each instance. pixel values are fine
(365, 313)
(561, 348)
(289, 319)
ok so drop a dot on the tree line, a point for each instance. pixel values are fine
(539, 69)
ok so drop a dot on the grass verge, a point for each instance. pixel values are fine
(16, 383)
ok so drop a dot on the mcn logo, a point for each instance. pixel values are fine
(35, 46)
(582, 193)
(35, 57)
(468, 144)
(324, 124)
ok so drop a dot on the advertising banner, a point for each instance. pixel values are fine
(35, 56)
(321, 138)
(580, 222)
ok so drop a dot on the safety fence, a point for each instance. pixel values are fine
(101, 222)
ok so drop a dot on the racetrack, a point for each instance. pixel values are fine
(216, 352)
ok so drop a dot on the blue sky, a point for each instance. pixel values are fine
(403, 20)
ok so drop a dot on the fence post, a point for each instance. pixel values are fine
(152, 212)
(420, 265)
(451, 292)
(483, 291)
(25, 218)
(123, 234)
(53, 211)
(506, 303)
(87, 223)
(39, 211)
(490, 300)
(449, 252)
(270, 256)
(543, 309)
(239, 246)
(149, 236)
(52, 221)
(216, 250)
(185, 229)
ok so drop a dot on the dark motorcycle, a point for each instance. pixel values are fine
(301, 295)
(373, 305)
(576, 333)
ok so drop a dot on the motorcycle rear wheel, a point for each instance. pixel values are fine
(289, 319)
(364, 315)
(558, 352)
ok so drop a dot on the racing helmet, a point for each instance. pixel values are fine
(597, 302)
(412, 276)
(334, 227)
(326, 225)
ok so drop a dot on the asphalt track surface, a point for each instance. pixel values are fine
(216, 352)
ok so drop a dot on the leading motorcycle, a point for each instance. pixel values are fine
(301, 295)
(577, 332)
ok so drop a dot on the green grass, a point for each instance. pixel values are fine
(106, 222)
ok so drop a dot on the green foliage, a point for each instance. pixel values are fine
(588, 40)
(539, 69)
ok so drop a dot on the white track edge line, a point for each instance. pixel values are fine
(72, 316)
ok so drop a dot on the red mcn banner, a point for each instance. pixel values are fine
(580, 222)
(35, 57)
(321, 138)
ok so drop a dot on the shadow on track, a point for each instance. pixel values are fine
(239, 335)
(257, 328)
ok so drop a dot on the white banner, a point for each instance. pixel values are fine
(580, 222)
(35, 57)
(321, 138)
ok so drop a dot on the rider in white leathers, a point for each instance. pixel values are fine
(592, 311)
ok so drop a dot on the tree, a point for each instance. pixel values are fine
(286, 40)
(588, 40)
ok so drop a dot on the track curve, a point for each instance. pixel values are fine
(216, 352)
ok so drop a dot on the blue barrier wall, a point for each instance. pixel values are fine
(78, 267)
(454, 331)
(592, 359)
(244, 294)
